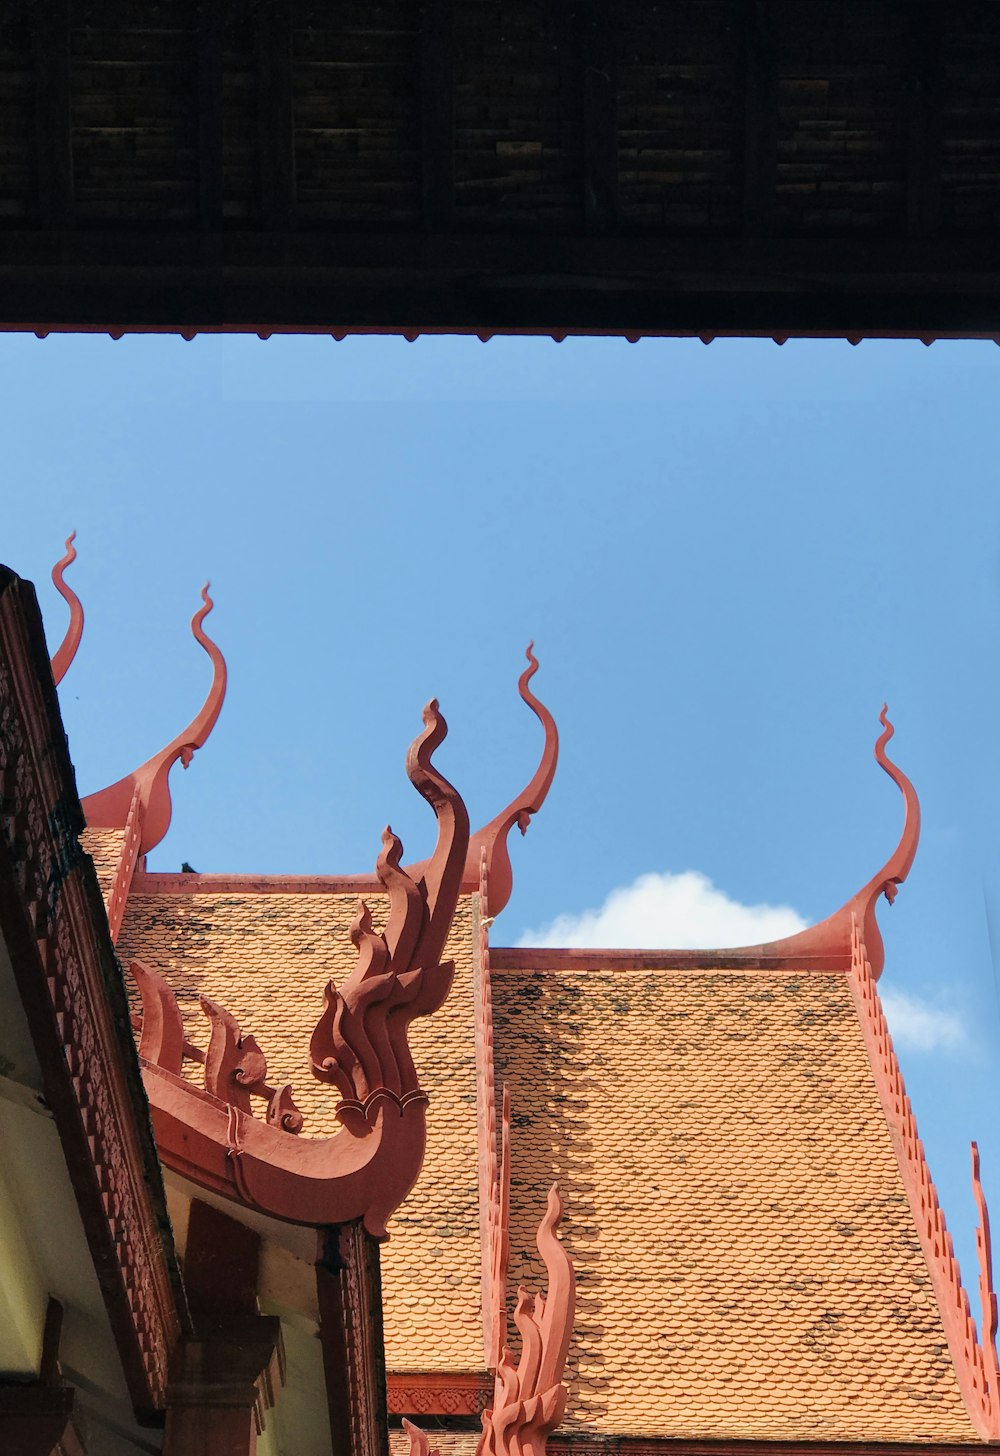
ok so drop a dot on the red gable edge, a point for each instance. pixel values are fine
(979, 1389)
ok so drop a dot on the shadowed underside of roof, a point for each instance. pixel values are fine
(747, 1261)
(700, 167)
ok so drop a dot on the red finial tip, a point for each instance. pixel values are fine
(67, 650)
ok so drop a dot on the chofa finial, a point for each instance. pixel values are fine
(490, 842)
(63, 658)
(109, 808)
(360, 1042)
(359, 1045)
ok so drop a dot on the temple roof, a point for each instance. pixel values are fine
(758, 1242)
(747, 1260)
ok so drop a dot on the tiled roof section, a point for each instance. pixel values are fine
(746, 1259)
(266, 957)
(447, 1443)
(105, 848)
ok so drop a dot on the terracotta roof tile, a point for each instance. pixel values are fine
(105, 848)
(747, 1261)
(267, 957)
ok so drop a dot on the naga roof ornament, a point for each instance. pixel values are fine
(148, 785)
(830, 942)
(63, 657)
(490, 842)
(360, 1046)
(529, 1397)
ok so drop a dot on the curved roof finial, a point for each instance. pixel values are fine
(492, 840)
(67, 650)
(829, 942)
(109, 808)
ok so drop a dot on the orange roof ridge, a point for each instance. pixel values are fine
(110, 807)
(67, 650)
(826, 946)
(491, 840)
(974, 1366)
(359, 1045)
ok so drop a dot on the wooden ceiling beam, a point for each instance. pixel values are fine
(925, 87)
(760, 124)
(600, 115)
(437, 115)
(275, 114)
(53, 113)
(210, 153)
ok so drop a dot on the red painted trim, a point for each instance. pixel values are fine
(987, 1291)
(127, 861)
(438, 1393)
(570, 1444)
(935, 1240)
(521, 959)
(170, 884)
(109, 808)
(63, 658)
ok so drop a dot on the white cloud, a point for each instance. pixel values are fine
(675, 912)
(918, 1025)
(687, 912)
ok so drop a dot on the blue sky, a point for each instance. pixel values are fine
(728, 556)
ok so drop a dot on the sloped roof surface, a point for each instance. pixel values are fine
(747, 1262)
(266, 957)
